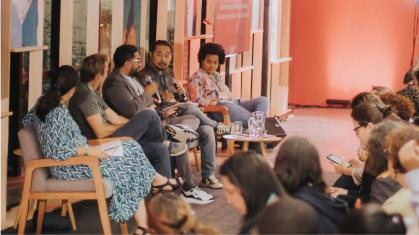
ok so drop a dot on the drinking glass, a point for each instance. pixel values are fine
(238, 128)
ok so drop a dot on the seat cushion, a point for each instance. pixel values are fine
(56, 185)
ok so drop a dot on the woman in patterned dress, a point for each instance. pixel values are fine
(132, 176)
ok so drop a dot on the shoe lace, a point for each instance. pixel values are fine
(223, 127)
(213, 179)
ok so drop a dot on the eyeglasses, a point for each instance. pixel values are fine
(137, 60)
(356, 129)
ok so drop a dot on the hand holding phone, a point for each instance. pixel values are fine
(337, 160)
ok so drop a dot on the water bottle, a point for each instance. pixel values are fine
(184, 96)
(156, 95)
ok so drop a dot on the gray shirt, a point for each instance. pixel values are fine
(86, 103)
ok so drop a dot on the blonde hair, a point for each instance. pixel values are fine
(169, 214)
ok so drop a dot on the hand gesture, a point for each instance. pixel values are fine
(167, 97)
(97, 152)
(181, 90)
(409, 155)
(169, 112)
(356, 163)
(213, 102)
(335, 192)
(151, 88)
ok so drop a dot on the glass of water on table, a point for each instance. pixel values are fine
(238, 128)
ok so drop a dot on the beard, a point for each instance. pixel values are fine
(160, 68)
(134, 73)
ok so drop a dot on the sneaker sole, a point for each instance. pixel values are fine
(183, 135)
(211, 186)
(194, 201)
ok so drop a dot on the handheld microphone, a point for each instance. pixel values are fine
(176, 85)
(156, 95)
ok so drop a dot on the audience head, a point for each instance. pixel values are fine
(249, 182)
(127, 60)
(379, 90)
(64, 82)
(371, 219)
(93, 67)
(364, 97)
(210, 56)
(297, 164)
(413, 95)
(365, 116)
(395, 140)
(377, 148)
(288, 216)
(160, 54)
(410, 75)
(169, 214)
(399, 104)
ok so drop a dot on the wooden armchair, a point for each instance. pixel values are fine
(40, 186)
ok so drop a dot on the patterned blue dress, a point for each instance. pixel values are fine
(131, 176)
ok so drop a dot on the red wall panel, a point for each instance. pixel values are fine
(340, 48)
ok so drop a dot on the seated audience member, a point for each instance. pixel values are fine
(169, 214)
(350, 178)
(379, 90)
(97, 120)
(157, 69)
(208, 89)
(399, 202)
(371, 219)
(409, 76)
(297, 167)
(400, 105)
(364, 117)
(127, 97)
(288, 216)
(250, 185)
(60, 138)
(413, 95)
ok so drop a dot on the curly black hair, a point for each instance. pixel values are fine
(211, 49)
(412, 94)
(408, 77)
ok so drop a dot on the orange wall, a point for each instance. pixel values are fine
(342, 47)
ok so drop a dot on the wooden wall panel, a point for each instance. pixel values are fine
(198, 17)
(92, 40)
(257, 62)
(210, 18)
(274, 89)
(179, 37)
(5, 74)
(193, 58)
(40, 31)
(246, 93)
(117, 26)
(285, 51)
(161, 28)
(35, 77)
(66, 32)
(143, 30)
(236, 84)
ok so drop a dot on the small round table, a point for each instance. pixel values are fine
(262, 141)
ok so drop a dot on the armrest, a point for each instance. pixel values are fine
(106, 140)
(212, 109)
(93, 162)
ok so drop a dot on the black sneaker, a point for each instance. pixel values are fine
(181, 133)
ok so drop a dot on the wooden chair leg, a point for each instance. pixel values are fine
(64, 208)
(198, 166)
(23, 217)
(230, 147)
(71, 215)
(104, 216)
(17, 216)
(42, 205)
(124, 228)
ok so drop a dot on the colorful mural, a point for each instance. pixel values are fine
(24, 23)
(132, 22)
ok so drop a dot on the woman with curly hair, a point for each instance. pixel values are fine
(208, 89)
(170, 214)
(399, 104)
(413, 95)
(297, 167)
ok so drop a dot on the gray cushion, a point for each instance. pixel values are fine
(42, 181)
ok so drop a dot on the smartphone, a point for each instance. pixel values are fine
(337, 160)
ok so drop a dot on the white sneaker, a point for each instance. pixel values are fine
(196, 196)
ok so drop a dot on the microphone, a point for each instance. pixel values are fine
(156, 95)
(176, 85)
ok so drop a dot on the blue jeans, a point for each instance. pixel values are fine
(242, 111)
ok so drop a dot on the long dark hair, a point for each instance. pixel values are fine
(364, 97)
(255, 179)
(297, 163)
(365, 113)
(63, 80)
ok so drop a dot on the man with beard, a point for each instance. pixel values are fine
(157, 69)
(127, 97)
(97, 120)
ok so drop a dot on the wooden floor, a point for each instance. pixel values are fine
(330, 129)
